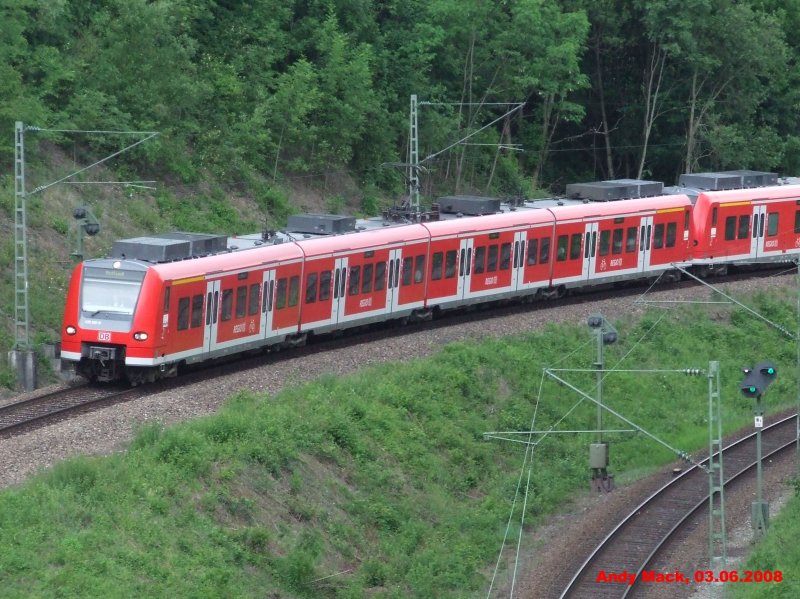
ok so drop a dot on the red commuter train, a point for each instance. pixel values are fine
(163, 301)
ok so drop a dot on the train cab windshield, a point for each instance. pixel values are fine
(110, 292)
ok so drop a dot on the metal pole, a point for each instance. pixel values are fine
(413, 156)
(21, 312)
(600, 366)
(760, 508)
(797, 370)
(717, 540)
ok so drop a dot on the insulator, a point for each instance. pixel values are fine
(693, 371)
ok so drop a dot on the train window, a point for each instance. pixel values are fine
(714, 217)
(324, 285)
(270, 295)
(227, 304)
(311, 288)
(166, 300)
(587, 245)
(208, 308)
(491, 260)
(437, 261)
(544, 250)
(252, 302)
(686, 221)
(407, 264)
(630, 240)
(616, 244)
(419, 269)
(366, 282)
(658, 236)
(241, 301)
(642, 246)
(605, 242)
(264, 297)
(380, 276)
(575, 246)
(797, 221)
(672, 232)
(561, 252)
(183, 313)
(197, 310)
(744, 226)
(730, 228)
(505, 256)
(480, 259)
(294, 290)
(772, 224)
(354, 281)
(280, 294)
(533, 249)
(450, 259)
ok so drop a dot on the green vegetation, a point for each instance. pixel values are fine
(378, 484)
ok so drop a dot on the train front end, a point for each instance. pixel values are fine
(106, 325)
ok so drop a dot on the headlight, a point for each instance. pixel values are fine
(140, 336)
(71, 330)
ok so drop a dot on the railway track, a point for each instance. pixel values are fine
(21, 416)
(635, 543)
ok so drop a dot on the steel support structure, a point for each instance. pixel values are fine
(21, 310)
(413, 156)
(717, 538)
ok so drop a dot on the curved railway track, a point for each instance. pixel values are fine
(637, 540)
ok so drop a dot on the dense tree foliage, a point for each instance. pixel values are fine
(267, 89)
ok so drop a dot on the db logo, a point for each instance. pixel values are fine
(104, 336)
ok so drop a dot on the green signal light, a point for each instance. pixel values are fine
(770, 370)
(751, 389)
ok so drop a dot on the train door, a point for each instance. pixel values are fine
(266, 303)
(393, 287)
(645, 234)
(212, 313)
(464, 267)
(339, 281)
(518, 273)
(589, 249)
(757, 238)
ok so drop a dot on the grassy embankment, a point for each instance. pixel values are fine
(378, 484)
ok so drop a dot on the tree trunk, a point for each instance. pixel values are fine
(654, 75)
(604, 123)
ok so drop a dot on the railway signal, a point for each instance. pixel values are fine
(754, 385)
(606, 334)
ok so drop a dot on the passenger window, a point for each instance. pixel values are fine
(450, 264)
(419, 269)
(744, 226)
(686, 221)
(355, 280)
(436, 266)
(575, 246)
(407, 267)
(491, 261)
(480, 259)
(166, 300)
(294, 291)
(630, 241)
(616, 244)
(324, 285)
(544, 251)
(505, 256)
(197, 310)
(280, 294)
(366, 283)
(672, 231)
(227, 304)
(714, 218)
(183, 313)
(311, 288)
(772, 224)
(658, 236)
(563, 242)
(533, 250)
(730, 228)
(797, 221)
(380, 276)
(252, 303)
(241, 301)
(605, 242)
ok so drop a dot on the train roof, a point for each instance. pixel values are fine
(752, 193)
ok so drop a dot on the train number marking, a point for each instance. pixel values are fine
(616, 262)
(103, 336)
(239, 328)
(771, 244)
(491, 280)
(365, 302)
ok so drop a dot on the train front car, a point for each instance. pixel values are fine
(110, 320)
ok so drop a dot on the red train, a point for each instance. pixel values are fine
(163, 301)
